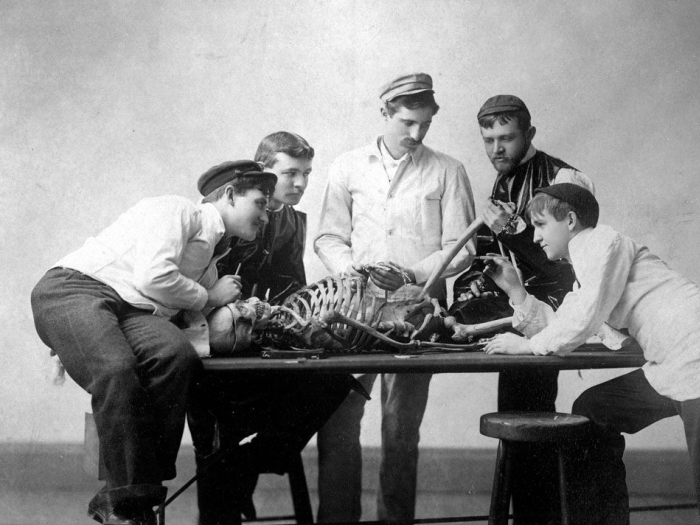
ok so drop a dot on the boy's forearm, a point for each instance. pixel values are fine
(517, 295)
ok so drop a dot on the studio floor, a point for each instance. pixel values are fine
(69, 507)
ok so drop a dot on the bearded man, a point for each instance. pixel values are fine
(507, 132)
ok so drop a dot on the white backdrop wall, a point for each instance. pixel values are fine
(102, 103)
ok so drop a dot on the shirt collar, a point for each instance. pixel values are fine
(213, 220)
(579, 241)
(530, 153)
(375, 151)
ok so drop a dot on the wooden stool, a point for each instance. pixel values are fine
(533, 427)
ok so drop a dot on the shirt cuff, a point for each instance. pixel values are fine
(521, 310)
(202, 298)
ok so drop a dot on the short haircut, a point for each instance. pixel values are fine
(424, 99)
(523, 118)
(292, 144)
(559, 209)
(241, 185)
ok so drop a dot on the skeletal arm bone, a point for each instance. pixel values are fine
(464, 331)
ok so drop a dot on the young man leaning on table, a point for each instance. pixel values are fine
(620, 283)
(105, 310)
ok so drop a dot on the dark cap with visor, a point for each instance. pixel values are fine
(228, 171)
(578, 197)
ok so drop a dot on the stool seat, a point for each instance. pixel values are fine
(511, 428)
(534, 427)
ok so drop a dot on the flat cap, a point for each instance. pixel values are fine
(580, 199)
(225, 172)
(406, 85)
(500, 104)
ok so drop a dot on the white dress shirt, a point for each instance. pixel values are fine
(622, 283)
(412, 220)
(157, 255)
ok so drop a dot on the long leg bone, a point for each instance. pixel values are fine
(468, 234)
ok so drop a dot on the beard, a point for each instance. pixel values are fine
(505, 165)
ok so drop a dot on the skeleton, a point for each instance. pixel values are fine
(341, 315)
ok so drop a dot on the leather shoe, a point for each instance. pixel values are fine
(148, 517)
(108, 516)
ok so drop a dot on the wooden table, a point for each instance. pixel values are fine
(585, 357)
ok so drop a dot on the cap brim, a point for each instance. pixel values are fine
(410, 92)
(499, 109)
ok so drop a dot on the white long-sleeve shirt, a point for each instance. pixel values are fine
(623, 284)
(412, 219)
(157, 255)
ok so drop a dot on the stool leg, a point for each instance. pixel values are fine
(562, 487)
(161, 514)
(300, 491)
(500, 495)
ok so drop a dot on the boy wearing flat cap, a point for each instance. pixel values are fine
(105, 310)
(273, 263)
(399, 202)
(282, 412)
(507, 132)
(622, 284)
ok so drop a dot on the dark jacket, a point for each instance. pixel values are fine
(274, 260)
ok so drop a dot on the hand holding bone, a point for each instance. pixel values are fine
(497, 213)
(390, 276)
(504, 274)
(225, 290)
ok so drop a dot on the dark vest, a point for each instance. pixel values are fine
(519, 185)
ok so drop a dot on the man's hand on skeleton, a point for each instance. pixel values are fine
(225, 290)
(390, 276)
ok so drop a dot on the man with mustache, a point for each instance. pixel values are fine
(394, 201)
(506, 130)
(274, 260)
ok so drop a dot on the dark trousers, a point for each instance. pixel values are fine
(625, 404)
(535, 483)
(283, 411)
(137, 368)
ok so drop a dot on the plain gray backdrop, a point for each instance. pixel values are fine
(103, 103)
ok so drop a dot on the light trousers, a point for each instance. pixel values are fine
(403, 398)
